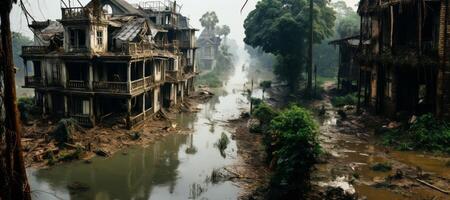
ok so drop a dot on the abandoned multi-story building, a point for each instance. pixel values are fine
(404, 66)
(208, 47)
(110, 60)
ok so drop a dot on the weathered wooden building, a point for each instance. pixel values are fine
(348, 66)
(110, 60)
(208, 48)
(404, 67)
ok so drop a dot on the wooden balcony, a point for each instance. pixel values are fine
(84, 120)
(27, 50)
(113, 87)
(137, 84)
(33, 81)
(75, 84)
(136, 48)
(173, 75)
(74, 13)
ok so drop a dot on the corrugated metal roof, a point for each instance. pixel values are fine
(130, 30)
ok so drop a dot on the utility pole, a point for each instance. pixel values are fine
(14, 183)
(310, 61)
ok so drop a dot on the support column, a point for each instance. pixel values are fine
(143, 103)
(90, 75)
(66, 106)
(128, 119)
(129, 76)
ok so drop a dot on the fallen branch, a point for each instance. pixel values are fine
(432, 186)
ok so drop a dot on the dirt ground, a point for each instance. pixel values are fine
(351, 150)
(40, 150)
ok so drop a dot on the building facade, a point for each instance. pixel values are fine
(110, 61)
(403, 55)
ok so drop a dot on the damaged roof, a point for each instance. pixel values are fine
(119, 7)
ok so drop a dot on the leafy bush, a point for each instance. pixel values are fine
(210, 79)
(222, 144)
(264, 113)
(427, 133)
(296, 148)
(349, 99)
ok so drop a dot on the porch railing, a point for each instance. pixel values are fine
(74, 13)
(149, 81)
(136, 119)
(34, 50)
(137, 84)
(84, 120)
(33, 81)
(116, 87)
(136, 48)
(76, 84)
(149, 112)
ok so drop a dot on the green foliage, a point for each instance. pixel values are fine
(222, 144)
(295, 147)
(348, 99)
(280, 27)
(224, 30)
(264, 113)
(19, 40)
(27, 107)
(210, 79)
(64, 130)
(265, 85)
(209, 20)
(427, 133)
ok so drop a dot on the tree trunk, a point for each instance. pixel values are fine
(15, 179)
(310, 56)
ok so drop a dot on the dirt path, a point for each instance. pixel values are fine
(352, 151)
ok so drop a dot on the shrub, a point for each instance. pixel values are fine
(210, 79)
(349, 99)
(427, 133)
(27, 107)
(296, 149)
(222, 143)
(264, 113)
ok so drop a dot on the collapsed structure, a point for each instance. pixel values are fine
(403, 56)
(110, 60)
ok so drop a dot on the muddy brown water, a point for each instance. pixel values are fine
(356, 155)
(177, 167)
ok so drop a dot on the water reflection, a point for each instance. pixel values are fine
(177, 167)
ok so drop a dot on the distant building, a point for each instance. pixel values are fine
(109, 61)
(405, 66)
(208, 47)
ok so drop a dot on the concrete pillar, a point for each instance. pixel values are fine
(90, 76)
(143, 103)
(128, 113)
(63, 75)
(66, 106)
(129, 76)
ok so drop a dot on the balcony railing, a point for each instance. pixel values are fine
(115, 87)
(34, 50)
(149, 81)
(77, 84)
(136, 48)
(137, 84)
(78, 13)
(173, 75)
(84, 120)
(33, 81)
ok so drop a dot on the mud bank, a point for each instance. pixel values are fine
(41, 150)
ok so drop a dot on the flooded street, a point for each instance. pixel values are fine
(177, 167)
(353, 151)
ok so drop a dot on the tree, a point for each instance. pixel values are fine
(209, 20)
(13, 179)
(19, 40)
(264, 86)
(224, 30)
(280, 27)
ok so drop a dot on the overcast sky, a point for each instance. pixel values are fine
(228, 12)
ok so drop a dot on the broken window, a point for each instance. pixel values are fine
(100, 38)
(77, 38)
